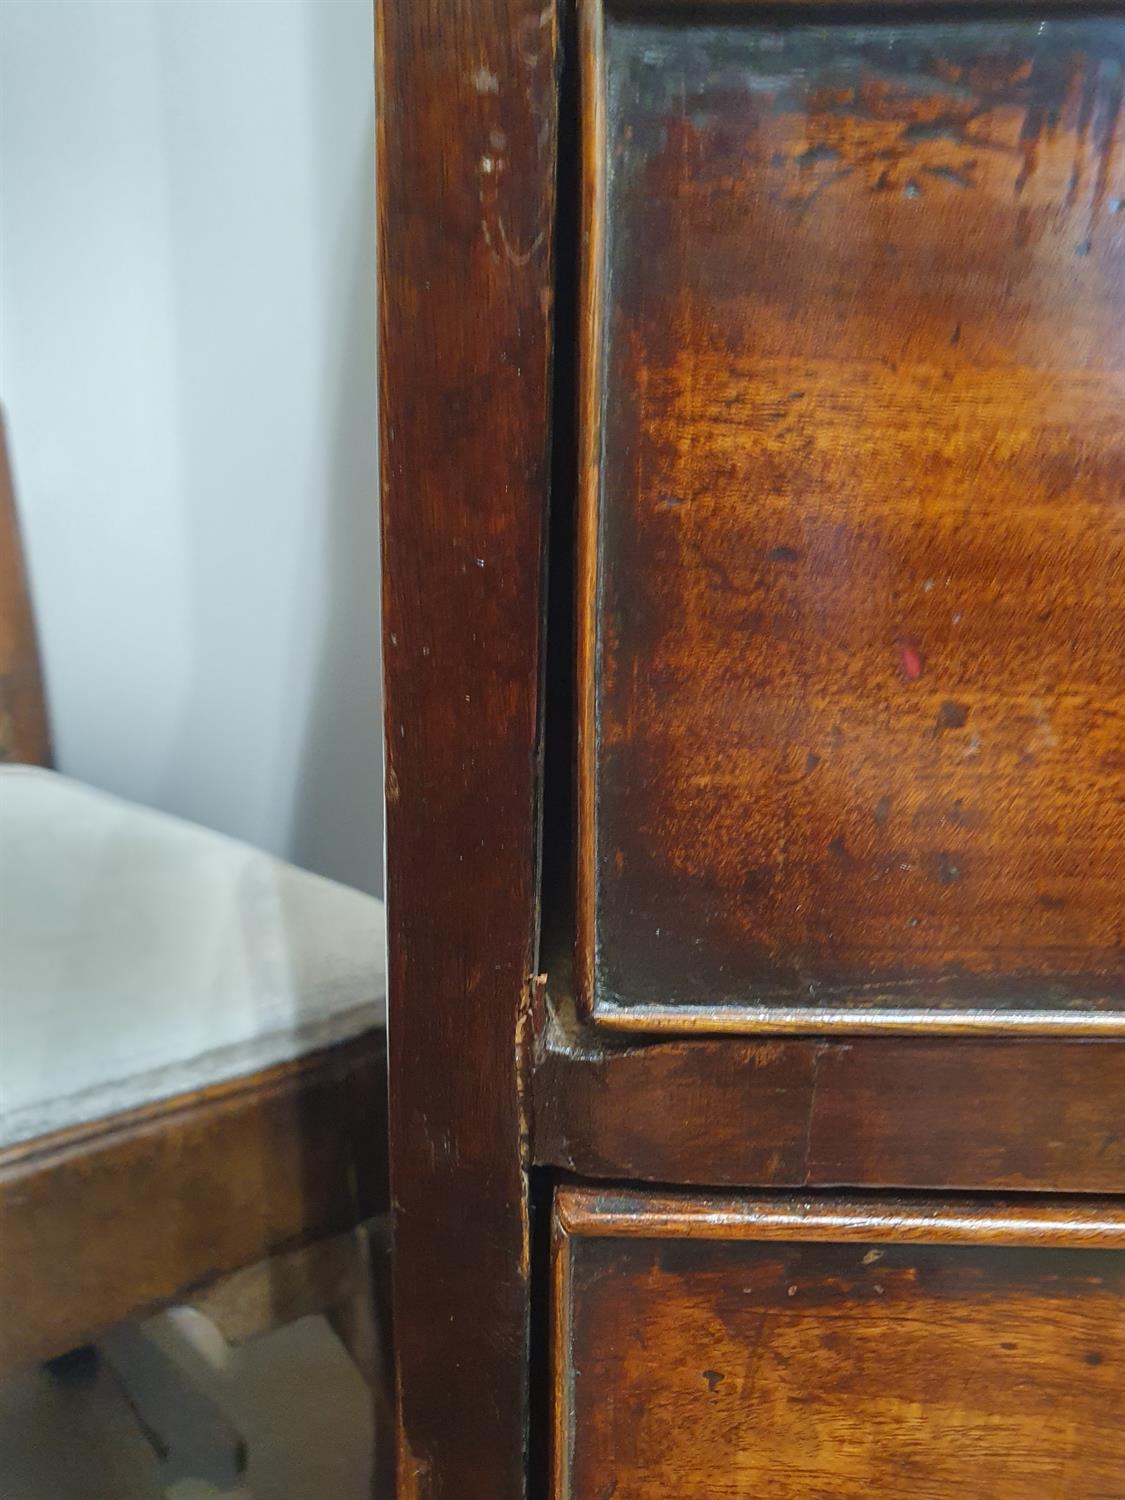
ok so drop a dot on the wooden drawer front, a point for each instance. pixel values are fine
(853, 622)
(708, 1349)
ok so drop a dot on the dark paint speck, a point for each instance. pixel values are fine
(949, 869)
(952, 715)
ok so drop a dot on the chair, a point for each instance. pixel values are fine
(192, 1077)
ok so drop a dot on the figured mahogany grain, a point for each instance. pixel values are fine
(466, 169)
(854, 538)
(714, 1348)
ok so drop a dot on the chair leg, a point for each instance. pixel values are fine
(76, 1368)
(347, 1280)
(362, 1323)
(190, 1435)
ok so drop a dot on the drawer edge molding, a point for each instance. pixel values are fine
(797, 1020)
(1092, 1224)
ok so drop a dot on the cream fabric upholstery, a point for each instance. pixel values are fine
(141, 956)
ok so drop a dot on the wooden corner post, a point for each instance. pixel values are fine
(466, 178)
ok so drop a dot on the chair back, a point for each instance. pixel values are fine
(24, 734)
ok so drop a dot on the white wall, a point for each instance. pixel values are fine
(187, 356)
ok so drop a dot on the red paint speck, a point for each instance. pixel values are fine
(910, 660)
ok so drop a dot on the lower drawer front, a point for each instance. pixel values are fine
(718, 1348)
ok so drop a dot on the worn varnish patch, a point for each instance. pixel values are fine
(859, 593)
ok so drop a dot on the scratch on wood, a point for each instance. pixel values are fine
(754, 1357)
(530, 31)
(519, 258)
(819, 1052)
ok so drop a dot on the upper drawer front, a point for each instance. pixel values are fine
(853, 625)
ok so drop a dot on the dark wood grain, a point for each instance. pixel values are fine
(854, 599)
(777, 10)
(466, 166)
(838, 1348)
(24, 735)
(877, 1113)
(1003, 1114)
(107, 1221)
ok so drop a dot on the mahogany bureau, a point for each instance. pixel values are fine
(754, 561)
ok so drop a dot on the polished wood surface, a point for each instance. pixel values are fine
(1075, 1223)
(853, 569)
(888, 1112)
(466, 171)
(847, 718)
(838, 1348)
(106, 1221)
(24, 736)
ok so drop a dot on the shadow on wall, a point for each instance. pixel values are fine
(188, 359)
(337, 825)
(316, 718)
(188, 347)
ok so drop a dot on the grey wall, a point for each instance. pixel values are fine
(187, 355)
